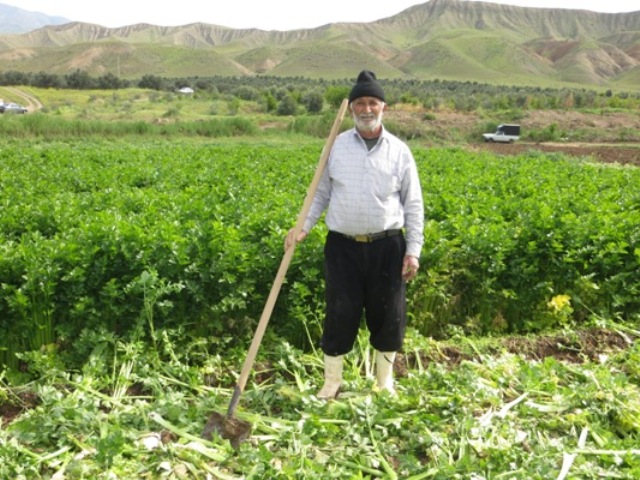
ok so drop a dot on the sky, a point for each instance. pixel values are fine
(263, 14)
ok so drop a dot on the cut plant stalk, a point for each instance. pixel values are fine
(227, 426)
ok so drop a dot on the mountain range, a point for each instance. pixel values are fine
(17, 20)
(445, 39)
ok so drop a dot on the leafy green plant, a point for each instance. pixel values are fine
(133, 413)
(550, 133)
(192, 236)
(505, 236)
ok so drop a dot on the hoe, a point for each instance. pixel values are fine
(228, 426)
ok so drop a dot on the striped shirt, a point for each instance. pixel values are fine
(370, 191)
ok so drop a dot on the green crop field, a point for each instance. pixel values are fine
(132, 275)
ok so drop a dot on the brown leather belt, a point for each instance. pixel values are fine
(370, 237)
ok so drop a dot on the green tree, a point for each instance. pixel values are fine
(270, 102)
(80, 80)
(47, 80)
(335, 94)
(313, 101)
(14, 78)
(246, 92)
(287, 106)
(109, 81)
(153, 82)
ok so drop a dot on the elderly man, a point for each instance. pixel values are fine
(375, 216)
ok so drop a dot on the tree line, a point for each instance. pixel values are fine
(285, 94)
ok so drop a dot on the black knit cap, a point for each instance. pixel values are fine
(366, 86)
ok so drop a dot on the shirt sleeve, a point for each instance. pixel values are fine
(411, 197)
(320, 200)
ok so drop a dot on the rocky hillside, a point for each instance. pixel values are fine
(447, 39)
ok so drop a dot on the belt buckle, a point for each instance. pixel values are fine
(361, 238)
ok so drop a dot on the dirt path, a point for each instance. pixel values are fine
(25, 99)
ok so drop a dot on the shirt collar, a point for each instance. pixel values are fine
(383, 133)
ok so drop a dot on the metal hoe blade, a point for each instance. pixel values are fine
(229, 428)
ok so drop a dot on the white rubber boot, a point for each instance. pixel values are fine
(384, 371)
(332, 377)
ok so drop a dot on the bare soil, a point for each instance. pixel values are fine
(608, 153)
(579, 347)
(15, 405)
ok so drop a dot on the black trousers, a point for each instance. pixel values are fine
(364, 278)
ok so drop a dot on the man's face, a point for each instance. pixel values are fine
(367, 113)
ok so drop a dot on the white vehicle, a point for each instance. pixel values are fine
(504, 134)
(12, 108)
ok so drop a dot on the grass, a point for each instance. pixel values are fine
(48, 127)
(165, 108)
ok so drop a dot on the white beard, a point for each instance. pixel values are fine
(367, 122)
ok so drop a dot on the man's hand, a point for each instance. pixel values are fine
(410, 266)
(288, 239)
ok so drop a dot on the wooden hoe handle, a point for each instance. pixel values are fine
(284, 264)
